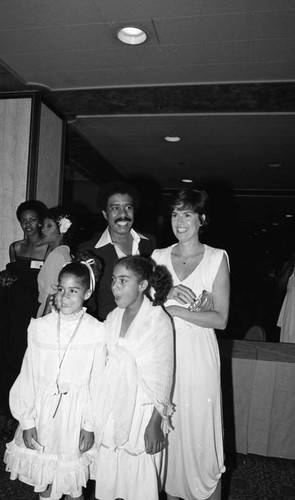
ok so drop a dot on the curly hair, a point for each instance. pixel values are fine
(158, 276)
(37, 206)
(118, 187)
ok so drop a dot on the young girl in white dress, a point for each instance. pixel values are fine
(51, 397)
(134, 403)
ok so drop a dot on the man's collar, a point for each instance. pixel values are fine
(105, 238)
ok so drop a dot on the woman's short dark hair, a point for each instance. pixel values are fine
(35, 205)
(195, 200)
(118, 187)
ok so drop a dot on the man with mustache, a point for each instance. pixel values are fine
(118, 201)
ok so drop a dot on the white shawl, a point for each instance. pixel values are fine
(145, 360)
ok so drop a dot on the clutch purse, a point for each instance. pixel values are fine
(6, 278)
(204, 302)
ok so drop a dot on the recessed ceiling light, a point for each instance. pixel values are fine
(132, 35)
(274, 164)
(187, 180)
(288, 215)
(275, 223)
(172, 138)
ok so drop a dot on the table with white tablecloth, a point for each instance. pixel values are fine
(258, 386)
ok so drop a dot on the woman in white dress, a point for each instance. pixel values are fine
(286, 283)
(195, 451)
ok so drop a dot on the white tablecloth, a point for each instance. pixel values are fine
(258, 385)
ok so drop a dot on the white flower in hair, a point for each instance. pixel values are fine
(64, 223)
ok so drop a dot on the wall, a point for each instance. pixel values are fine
(31, 160)
(15, 116)
(50, 158)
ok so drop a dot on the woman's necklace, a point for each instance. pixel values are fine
(190, 259)
(63, 387)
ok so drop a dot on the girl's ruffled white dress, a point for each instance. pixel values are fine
(137, 378)
(34, 398)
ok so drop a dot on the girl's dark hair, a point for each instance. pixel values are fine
(35, 205)
(157, 276)
(81, 271)
(56, 213)
(192, 199)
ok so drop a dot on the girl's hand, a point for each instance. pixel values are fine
(28, 434)
(181, 294)
(154, 438)
(86, 440)
(52, 302)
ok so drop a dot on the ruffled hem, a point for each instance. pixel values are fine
(40, 470)
(134, 474)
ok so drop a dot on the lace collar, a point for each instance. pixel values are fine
(74, 316)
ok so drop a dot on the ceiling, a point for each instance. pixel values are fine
(220, 74)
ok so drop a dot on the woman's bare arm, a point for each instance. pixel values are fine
(218, 317)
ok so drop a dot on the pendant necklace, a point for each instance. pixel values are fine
(63, 387)
(194, 256)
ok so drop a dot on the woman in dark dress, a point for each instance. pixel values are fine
(20, 294)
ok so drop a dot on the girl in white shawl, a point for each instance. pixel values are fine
(134, 403)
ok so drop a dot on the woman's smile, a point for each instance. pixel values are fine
(185, 223)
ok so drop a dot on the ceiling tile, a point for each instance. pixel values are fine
(141, 57)
(278, 51)
(55, 39)
(225, 7)
(117, 10)
(179, 30)
(268, 5)
(23, 64)
(226, 27)
(278, 24)
(226, 52)
(38, 13)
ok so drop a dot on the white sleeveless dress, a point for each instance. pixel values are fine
(195, 451)
(286, 320)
